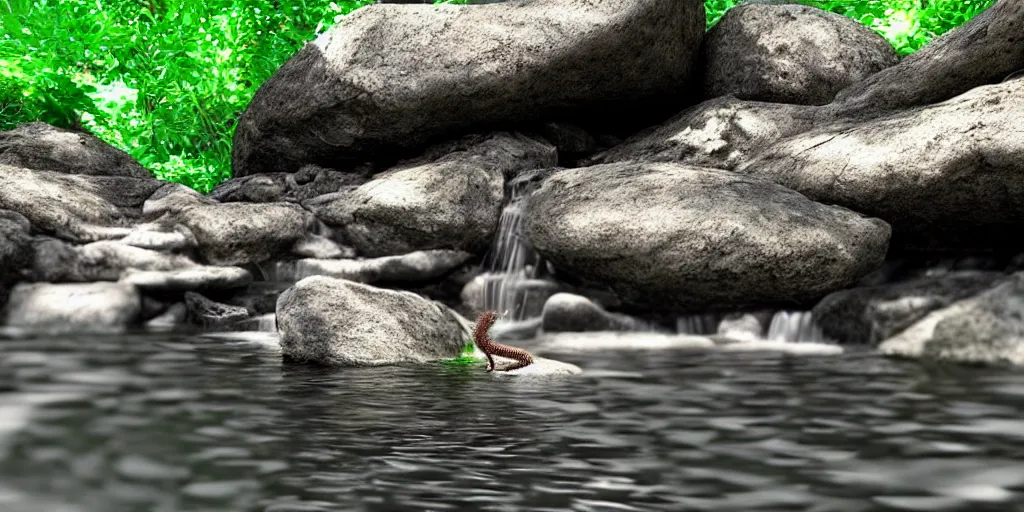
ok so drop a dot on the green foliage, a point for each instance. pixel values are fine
(907, 24)
(166, 80)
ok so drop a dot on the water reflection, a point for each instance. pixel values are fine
(176, 423)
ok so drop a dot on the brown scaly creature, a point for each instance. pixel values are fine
(492, 348)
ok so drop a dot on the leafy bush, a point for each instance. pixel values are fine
(166, 80)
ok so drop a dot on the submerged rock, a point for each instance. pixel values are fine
(69, 308)
(790, 54)
(946, 175)
(47, 148)
(672, 237)
(336, 322)
(396, 77)
(985, 329)
(566, 312)
(868, 315)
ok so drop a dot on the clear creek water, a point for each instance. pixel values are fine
(166, 422)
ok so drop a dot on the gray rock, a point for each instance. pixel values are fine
(176, 238)
(259, 298)
(91, 307)
(320, 247)
(453, 202)
(541, 368)
(15, 247)
(744, 326)
(44, 147)
(395, 77)
(173, 198)
(308, 182)
(198, 278)
(411, 268)
(175, 315)
(66, 206)
(570, 140)
(985, 329)
(211, 314)
(982, 51)
(721, 133)
(244, 233)
(565, 312)
(790, 54)
(868, 315)
(671, 237)
(946, 175)
(337, 322)
(57, 261)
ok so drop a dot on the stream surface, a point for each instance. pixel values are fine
(168, 422)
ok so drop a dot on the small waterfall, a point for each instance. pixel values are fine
(697, 324)
(512, 262)
(795, 326)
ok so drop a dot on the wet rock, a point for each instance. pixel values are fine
(541, 368)
(44, 147)
(985, 50)
(721, 133)
(396, 77)
(308, 182)
(677, 238)
(985, 329)
(868, 315)
(332, 321)
(790, 54)
(451, 203)
(565, 312)
(258, 298)
(201, 278)
(320, 247)
(244, 233)
(57, 261)
(743, 326)
(66, 206)
(415, 267)
(91, 307)
(945, 176)
(211, 314)
(176, 314)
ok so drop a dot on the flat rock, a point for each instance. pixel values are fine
(722, 133)
(870, 314)
(567, 312)
(58, 261)
(176, 238)
(944, 176)
(671, 237)
(985, 329)
(415, 267)
(392, 77)
(198, 278)
(244, 233)
(90, 307)
(321, 247)
(44, 147)
(452, 202)
(172, 198)
(541, 368)
(790, 54)
(607, 340)
(336, 322)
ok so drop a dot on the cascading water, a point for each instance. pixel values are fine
(795, 326)
(698, 324)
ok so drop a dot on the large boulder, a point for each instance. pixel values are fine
(332, 321)
(451, 202)
(672, 237)
(47, 148)
(78, 307)
(946, 175)
(243, 233)
(393, 78)
(985, 50)
(722, 133)
(870, 314)
(985, 329)
(790, 54)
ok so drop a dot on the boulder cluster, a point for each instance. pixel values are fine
(784, 159)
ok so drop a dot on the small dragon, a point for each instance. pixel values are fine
(492, 348)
